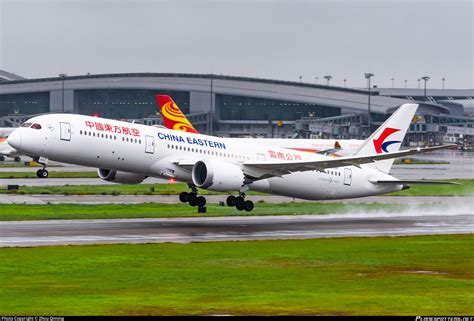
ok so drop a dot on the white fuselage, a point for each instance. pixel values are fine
(159, 152)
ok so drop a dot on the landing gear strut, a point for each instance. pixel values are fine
(192, 198)
(240, 203)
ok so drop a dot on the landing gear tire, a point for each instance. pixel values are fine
(231, 201)
(248, 206)
(200, 201)
(192, 199)
(2, 158)
(183, 197)
(42, 173)
(240, 203)
(17, 159)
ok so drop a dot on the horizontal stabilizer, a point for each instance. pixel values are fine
(419, 182)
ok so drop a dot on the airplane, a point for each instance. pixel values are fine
(128, 153)
(174, 118)
(7, 151)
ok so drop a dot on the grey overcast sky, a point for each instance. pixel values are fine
(403, 39)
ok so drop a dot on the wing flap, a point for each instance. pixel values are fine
(412, 182)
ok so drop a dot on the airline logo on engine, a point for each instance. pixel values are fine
(192, 141)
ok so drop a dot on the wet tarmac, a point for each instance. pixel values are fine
(173, 199)
(183, 230)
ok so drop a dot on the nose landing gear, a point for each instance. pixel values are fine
(42, 173)
(240, 203)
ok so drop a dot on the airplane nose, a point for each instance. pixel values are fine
(14, 139)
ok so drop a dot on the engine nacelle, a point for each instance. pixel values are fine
(110, 175)
(218, 175)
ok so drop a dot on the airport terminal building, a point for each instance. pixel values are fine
(239, 106)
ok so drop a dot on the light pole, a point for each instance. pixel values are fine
(443, 80)
(393, 82)
(328, 78)
(425, 78)
(317, 78)
(63, 76)
(419, 83)
(211, 120)
(406, 83)
(368, 75)
(345, 82)
(301, 78)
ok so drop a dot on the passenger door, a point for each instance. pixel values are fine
(65, 131)
(347, 176)
(149, 144)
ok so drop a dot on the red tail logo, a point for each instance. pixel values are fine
(379, 143)
(172, 115)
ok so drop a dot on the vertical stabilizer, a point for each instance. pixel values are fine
(173, 117)
(389, 136)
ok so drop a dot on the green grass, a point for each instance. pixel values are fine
(10, 212)
(419, 275)
(21, 164)
(110, 189)
(52, 174)
(466, 189)
(413, 161)
(14, 165)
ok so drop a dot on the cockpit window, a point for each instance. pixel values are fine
(36, 126)
(26, 125)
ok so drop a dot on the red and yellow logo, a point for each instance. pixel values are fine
(173, 116)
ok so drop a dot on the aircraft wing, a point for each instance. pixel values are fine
(267, 169)
(412, 182)
(10, 152)
(186, 164)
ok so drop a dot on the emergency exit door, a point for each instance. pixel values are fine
(149, 144)
(65, 131)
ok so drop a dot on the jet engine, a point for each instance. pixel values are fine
(218, 176)
(120, 177)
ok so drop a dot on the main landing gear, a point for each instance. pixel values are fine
(192, 198)
(240, 203)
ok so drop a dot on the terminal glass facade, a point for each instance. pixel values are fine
(24, 104)
(232, 107)
(125, 103)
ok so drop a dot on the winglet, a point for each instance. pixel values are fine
(173, 117)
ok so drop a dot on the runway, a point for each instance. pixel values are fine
(43, 199)
(183, 230)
